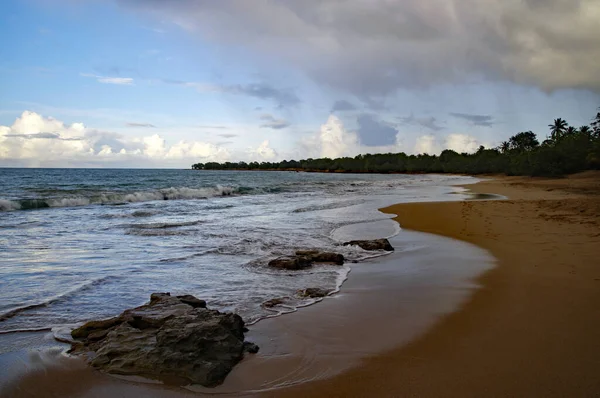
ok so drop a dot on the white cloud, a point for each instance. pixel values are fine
(263, 153)
(34, 140)
(462, 143)
(125, 81)
(335, 140)
(427, 144)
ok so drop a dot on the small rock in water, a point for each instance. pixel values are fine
(317, 256)
(376, 244)
(273, 302)
(314, 292)
(291, 262)
(170, 338)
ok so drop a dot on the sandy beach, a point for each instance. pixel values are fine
(532, 330)
(529, 328)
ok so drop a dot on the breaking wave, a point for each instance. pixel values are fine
(113, 198)
(88, 285)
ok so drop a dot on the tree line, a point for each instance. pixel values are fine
(566, 150)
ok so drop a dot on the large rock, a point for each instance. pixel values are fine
(376, 244)
(317, 256)
(174, 339)
(291, 262)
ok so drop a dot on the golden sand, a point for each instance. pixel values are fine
(533, 330)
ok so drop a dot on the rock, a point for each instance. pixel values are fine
(314, 292)
(376, 244)
(250, 347)
(273, 302)
(193, 301)
(317, 256)
(93, 327)
(291, 262)
(174, 339)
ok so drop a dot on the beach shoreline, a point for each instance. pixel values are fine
(532, 328)
(304, 346)
(510, 335)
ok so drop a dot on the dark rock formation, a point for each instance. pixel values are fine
(376, 244)
(174, 339)
(291, 262)
(314, 292)
(273, 302)
(317, 256)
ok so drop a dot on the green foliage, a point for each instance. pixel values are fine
(568, 150)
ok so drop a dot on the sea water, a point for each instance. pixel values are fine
(80, 244)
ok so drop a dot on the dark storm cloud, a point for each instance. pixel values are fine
(373, 48)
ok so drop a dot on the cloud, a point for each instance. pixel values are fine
(461, 143)
(216, 127)
(427, 122)
(125, 81)
(271, 122)
(476, 120)
(343, 106)
(374, 132)
(263, 152)
(227, 135)
(34, 140)
(331, 141)
(47, 136)
(133, 124)
(427, 144)
(282, 97)
(373, 48)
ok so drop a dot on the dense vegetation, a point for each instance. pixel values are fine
(566, 150)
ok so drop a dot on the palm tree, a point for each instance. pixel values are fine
(586, 131)
(596, 124)
(570, 131)
(558, 128)
(504, 147)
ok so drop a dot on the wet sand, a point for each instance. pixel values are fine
(532, 330)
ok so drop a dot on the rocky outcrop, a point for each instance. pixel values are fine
(273, 302)
(317, 256)
(291, 262)
(314, 292)
(376, 244)
(305, 259)
(173, 339)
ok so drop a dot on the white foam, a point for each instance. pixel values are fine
(8, 205)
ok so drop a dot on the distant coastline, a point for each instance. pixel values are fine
(567, 150)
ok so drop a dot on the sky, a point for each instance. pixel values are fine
(168, 83)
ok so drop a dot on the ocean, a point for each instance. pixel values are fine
(80, 244)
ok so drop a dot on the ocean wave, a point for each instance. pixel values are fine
(88, 285)
(329, 206)
(163, 225)
(111, 198)
(157, 232)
